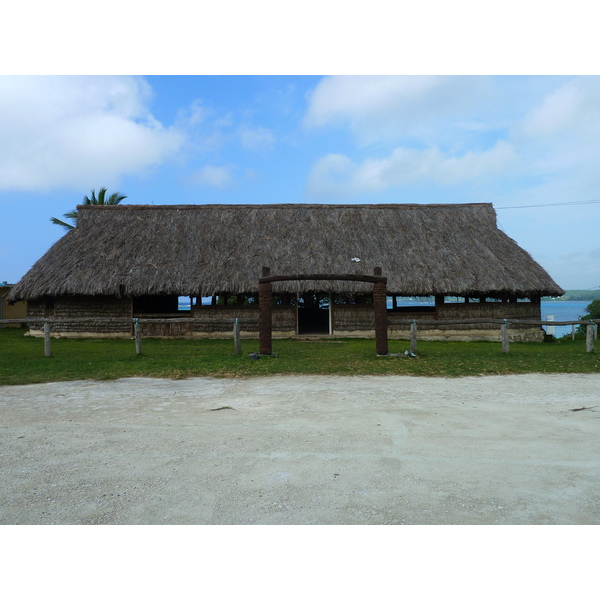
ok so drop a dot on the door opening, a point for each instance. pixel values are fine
(313, 314)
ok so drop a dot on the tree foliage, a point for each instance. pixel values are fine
(100, 200)
(593, 310)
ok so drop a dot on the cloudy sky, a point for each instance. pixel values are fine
(528, 144)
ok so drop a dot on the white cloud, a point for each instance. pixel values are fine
(217, 177)
(77, 132)
(208, 131)
(380, 107)
(558, 140)
(195, 114)
(256, 138)
(331, 176)
(541, 133)
(557, 111)
(337, 175)
(573, 109)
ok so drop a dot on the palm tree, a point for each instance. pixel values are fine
(97, 200)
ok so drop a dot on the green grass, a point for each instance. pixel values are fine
(22, 358)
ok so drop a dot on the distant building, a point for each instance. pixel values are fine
(136, 261)
(17, 310)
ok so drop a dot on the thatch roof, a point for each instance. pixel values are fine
(131, 250)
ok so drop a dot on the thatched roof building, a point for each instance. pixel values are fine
(129, 251)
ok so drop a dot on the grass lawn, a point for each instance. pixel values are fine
(22, 358)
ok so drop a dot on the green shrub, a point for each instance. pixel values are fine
(593, 309)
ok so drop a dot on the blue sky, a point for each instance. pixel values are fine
(515, 141)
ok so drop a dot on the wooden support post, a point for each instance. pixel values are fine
(380, 313)
(47, 348)
(237, 342)
(504, 329)
(138, 337)
(413, 337)
(265, 326)
(589, 338)
(572, 332)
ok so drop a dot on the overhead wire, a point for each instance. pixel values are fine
(550, 204)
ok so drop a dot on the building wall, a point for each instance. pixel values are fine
(218, 322)
(494, 310)
(349, 320)
(353, 317)
(82, 307)
(18, 310)
(472, 331)
(358, 321)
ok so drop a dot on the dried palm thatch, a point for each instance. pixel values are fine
(206, 249)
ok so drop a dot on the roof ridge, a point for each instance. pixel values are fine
(275, 206)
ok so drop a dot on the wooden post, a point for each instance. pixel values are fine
(47, 349)
(589, 338)
(504, 329)
(572, 332)
(237, 342)
(380, 314)
(265, 326)
(138, 337)
(413, 336)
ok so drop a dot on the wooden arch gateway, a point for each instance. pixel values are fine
(265, 296)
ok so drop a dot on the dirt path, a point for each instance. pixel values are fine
(303, 450)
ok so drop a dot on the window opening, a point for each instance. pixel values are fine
(411, 304)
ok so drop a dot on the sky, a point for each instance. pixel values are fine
(530, 145)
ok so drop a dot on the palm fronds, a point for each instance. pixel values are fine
(99, 200)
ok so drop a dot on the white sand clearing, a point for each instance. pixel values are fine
(519, 449)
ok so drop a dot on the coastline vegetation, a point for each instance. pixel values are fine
(575, 295)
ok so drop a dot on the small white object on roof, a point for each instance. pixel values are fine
(355, 259)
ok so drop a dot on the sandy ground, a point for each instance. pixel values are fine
(303, 450)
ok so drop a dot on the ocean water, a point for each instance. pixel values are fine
(567, 310)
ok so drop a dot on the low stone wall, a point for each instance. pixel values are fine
(475, 333)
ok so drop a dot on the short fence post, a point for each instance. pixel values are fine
(138, 337)
(504, 329)
(572, 332)
(47, 349)
(413, 336)
(237, 342)
(589, 338)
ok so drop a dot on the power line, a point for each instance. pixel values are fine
(553, 204)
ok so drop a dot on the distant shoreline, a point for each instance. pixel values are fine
(575, 295)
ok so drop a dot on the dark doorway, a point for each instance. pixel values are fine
(313, 314)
